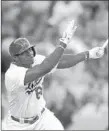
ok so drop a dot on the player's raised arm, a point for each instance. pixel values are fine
(70, 60)
(52, 60)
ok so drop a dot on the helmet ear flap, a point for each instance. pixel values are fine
(34, 51)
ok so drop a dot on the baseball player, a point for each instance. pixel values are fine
(24, 78)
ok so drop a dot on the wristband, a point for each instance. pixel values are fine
(86, 55)
(62, 45)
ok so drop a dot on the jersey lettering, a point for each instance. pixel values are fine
(33, 86)
(38, 92)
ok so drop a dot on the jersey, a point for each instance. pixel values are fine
(24, 100)
(27, 100)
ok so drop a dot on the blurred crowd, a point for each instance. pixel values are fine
(79, 95)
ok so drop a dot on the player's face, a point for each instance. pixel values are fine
(26, 58)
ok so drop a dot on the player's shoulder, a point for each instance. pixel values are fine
(38, 58)
(13, 71)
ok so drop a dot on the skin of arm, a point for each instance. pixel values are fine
(45, 67)
(70, 60)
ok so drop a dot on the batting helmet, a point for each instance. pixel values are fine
(20, 45)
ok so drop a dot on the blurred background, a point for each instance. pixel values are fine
(79, 95)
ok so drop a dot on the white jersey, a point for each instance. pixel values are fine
(24, 100)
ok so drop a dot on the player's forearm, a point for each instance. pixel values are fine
(69, 60)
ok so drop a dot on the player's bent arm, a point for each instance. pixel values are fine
(46, 66)
(70, 60)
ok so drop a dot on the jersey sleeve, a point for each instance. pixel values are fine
(15, 78)
(21, 75)
(38, 59)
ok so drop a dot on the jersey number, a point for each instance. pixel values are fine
(38, 92)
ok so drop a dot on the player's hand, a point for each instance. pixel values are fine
(96, 52)
(69, 32)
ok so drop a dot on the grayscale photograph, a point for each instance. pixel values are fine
(54, 65)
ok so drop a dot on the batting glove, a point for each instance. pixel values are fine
(68, 34)
(96, 52)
